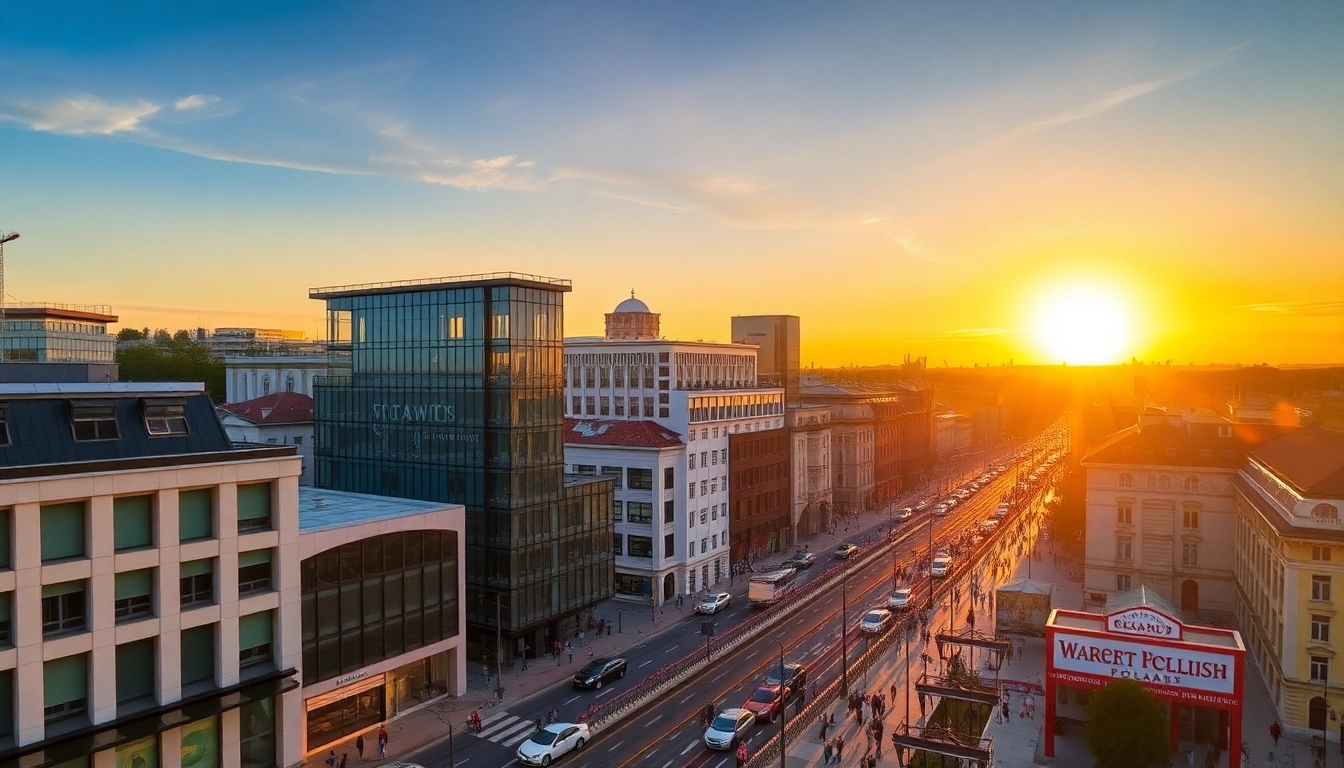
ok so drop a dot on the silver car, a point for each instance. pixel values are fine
(729, 728)
(714, 603)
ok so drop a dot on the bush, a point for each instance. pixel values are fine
(1127, 727)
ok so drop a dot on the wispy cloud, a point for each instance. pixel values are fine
(194, 101)
(80, 115)
(1300, 307)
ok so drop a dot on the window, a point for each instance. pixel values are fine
(690, 552)
(65, 687)
(135, 670)
(604, 406)
(704, 545)
(93, 421)
(590, 405)
(4, 425)
(1320, 669)
(254, 571)
(704, 516)
(714, 458)
(7, 704)
(640, 479)
(585, 469)
(603, 378)
(132, 522)
(639, 512)
(617, 544)
(62, 531)
(168, 418)
(640, 546)
(134, 595)
(256, 732)
(198, 583)
(691, 489)
(1320, 588)
(648, 406)
(619, 402)
(254, 639)
(618, 377)
(1122, 582)
(669, 511)
(6, 554)
(1190, 554)
(1124, 512)
(690, 464)
(1126, 481)
(589, 376)
(1225, 430)
(1191, 519)
(714, 512)
(195, 514)
(704, 458)
(617, 510)
(1192, 484)
(576, 406)
(714, 541)
(254, 507)
(669, 477)
(198, 655)
(1320, 553)
(6, 621)
(1325, 512)
(669, 545)
(1320, 629)
(1164, 483)
(634, 406)
(1124, 548)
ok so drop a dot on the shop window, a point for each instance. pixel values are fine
(254, 639)
(65, 688)
(198, 655)
(195, 514)
(135, 671)
(197, 583)
(132, 522)
(63, 608)
(134, 595)
(256, 728)
(62, 531)
(254, 507)
(254, 571)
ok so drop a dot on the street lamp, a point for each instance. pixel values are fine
(499, 654)
(783, 710)
(844, 629)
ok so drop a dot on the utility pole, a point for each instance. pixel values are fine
(5, 237)
(783, 708)
(844, 630)
(499, 645)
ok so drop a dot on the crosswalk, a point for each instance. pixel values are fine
(505, 729)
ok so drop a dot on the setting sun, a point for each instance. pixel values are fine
(1082, 325)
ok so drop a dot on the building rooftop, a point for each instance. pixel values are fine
(574, 341)
(632, 305)
(95, 313)
(1310, 459)
(275, 408)
(1169, 445)
(321, 509)
(101, 389)
(628, 434)
(430, 283)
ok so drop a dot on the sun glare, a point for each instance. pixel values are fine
(1082, 325)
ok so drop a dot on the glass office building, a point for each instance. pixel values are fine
(451, 390)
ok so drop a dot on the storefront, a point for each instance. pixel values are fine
(1197, 671)
(362, 700)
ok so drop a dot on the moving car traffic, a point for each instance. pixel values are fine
(714, 603)
(794, 675)
(598, 672)
(766, 702)
(876, 621)
(899, 600)
(553, 741)
(846, 551)
(729, 728)
(768, 588)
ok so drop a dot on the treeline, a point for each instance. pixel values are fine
(170, 357)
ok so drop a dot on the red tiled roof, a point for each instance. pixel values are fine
(632, 434)
(276, 408)
(1310, 459)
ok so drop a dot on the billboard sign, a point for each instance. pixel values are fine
(1163, 667)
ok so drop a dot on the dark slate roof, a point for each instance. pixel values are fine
(630, 434)
(41, 433)
(1311, 460)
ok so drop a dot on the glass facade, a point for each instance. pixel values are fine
(452, 391)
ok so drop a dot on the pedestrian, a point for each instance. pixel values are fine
(331, 759)
(1019, 651)
(1275, 731)
(839, 748)
(865, 711)
(569, 647)
(382, 742)
(522, 653)
(583, 637)
(553, 716)
(1190, 758)
(608, 629)
(359, 745)
(741, 755)
(1006, 718)
(825, 724)
(827, 753)
(344, 756)
(590, 653)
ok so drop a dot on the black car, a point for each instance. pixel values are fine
(793, 675)
(598, 672)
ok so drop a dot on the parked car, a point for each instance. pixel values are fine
(1002, 511)
(900, 599)
(766, 702)
(876, 621)
(794, 675)
(553, 741)
(846, 551)
(714, 603)
(728, 728)
(940, 508)
(942, 565)
(598, 672)
(903, 514)
(804, 560)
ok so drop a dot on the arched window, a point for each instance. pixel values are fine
(289, 382)
(1192, 483)
(242, 386)
(266, 385)
(1325, 512)
(1317, 712)
(1126, 481)
(1190, 595)
(1164, 483)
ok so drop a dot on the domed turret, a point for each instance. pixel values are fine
(632, 319)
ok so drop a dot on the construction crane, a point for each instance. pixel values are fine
(5, 237)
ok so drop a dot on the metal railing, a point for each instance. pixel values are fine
(317, 293)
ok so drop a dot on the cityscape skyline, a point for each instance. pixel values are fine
(906, 180)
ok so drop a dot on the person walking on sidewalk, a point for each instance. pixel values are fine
(569, 647)
(824, 726)
(382, 742)
(359, 746)
(839, 747)
(1275, 732)
(827, 753)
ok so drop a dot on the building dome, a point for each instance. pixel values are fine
(632, 305)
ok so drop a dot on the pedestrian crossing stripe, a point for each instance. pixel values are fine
(503, 728)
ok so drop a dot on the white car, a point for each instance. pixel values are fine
(553, 741)
(899, 600)
(903, 514)
(714, 603)
(729, 728)
(941, 565)
(876, 621)
(939, 509)
(1002, 511)
(989, 525)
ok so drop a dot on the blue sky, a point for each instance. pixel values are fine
(907, 177)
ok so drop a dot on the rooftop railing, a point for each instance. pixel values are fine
(317, 293)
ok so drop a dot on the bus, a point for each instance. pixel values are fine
(768, 588)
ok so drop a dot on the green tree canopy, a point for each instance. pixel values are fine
(169, 359)
(129, 334)
(1127, 727)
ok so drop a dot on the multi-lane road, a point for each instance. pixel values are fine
(666, 733)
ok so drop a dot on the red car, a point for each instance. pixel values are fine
(765, 703)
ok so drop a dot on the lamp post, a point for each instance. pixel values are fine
(783, 709)
(499, 654)
(844, 630)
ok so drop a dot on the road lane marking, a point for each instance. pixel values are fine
(667, 764)
(656, 719)
(647, 663)
(500, 726)
(571, 701)
(604, 693)
(693, 745)
(494, 717)
(511, 742)
(688, 698)
(512, 731)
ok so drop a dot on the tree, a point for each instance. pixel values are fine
(182, 335)
(1127, 727)
(129, 334)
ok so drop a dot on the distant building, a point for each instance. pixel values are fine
(149, 583)
(810, 468)
(952, 432)
(57, 342)
(759, 494)
(778, 363)
(247, 378)
(226, 342)
(282, 418)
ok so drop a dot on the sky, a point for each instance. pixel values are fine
(908, 178)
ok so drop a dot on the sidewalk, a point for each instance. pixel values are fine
(420, 727)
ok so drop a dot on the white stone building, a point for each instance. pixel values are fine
(810, 468)
(280, 418)
(247, 378)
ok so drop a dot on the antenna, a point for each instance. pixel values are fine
(5, 237)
